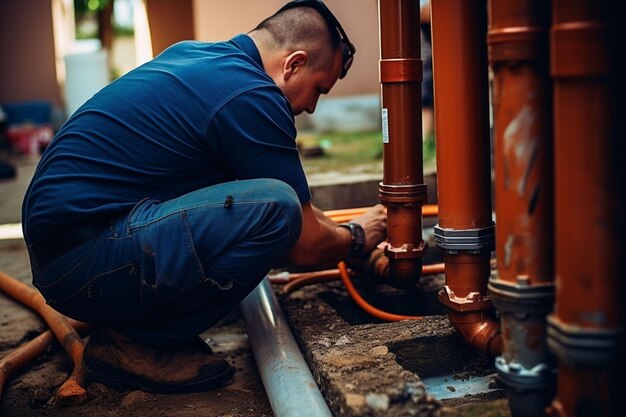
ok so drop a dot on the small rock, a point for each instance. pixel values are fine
(379, 402)
(355, 400)
(297, 295)
(379, 350)
(307, 306)
(343, 340)
(331, 327)
(134, 400)
(349, 386)
(324, 342)
(97, 390)
(41, 395)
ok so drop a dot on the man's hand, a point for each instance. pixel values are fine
(374, 222)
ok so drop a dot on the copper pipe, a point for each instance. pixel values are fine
(465, 229)
(402, 190)
(523, 291)
(586, 329)
(72, 391)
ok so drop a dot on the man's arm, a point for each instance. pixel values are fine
(322, 242)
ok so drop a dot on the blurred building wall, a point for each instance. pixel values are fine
(216, 20)
(170, 22)
(27, 69)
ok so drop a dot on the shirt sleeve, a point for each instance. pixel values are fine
(254, 136)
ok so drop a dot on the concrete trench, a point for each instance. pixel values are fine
(410, 368)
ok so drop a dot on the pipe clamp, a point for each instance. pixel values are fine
(575, 345)
(470, 240)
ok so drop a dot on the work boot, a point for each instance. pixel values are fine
(116, 360)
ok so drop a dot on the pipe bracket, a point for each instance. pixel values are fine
(401, 70)
(522, 297)
(406, 251)
(474, 301)
(575, 345)
(411, 193)
(468, 240)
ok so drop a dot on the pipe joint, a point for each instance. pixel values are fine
(474, 301)
(402, 194)
(401, 70)
(575, 345)
(471, 241)
(522, 297)
(578, 49)
(518, 44)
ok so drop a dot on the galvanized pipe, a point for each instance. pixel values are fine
(465, 231)
(288, 382)
(402, 190)
(523, 290)
(586, 329)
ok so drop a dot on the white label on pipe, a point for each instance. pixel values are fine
(385, 125)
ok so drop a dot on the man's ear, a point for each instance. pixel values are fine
(293, 63)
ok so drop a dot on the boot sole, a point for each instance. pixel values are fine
(116, 378)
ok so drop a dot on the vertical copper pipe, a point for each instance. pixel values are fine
(587, 326)
(523, 291)
(465, 231)
(402, 190)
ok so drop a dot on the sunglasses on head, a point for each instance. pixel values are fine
(347, 48)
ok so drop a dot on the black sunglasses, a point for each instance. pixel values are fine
(347, 48)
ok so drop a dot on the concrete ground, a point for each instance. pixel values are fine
(364, 367)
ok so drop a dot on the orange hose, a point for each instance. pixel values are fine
(383, 315)
(344, 215)
(300, 280)
(291, 286)
(72, 390)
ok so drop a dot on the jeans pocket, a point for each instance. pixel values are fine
(166, 255)
(112, 296)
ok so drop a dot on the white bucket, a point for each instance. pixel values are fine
(86, 74)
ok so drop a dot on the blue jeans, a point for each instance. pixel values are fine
(167, 271)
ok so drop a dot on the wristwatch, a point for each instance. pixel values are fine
(358, 239)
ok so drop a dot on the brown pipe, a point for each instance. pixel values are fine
(523, 291)
(402, 190)
(465, 229)
(72, 391)
(586, 329)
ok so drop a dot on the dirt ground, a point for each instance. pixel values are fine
(28, 394)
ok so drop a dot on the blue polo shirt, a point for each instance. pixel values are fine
(199, 114)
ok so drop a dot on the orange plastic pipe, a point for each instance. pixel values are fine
(586, 330)
(522, 290)
(463, 162)
(402, 190)
(72, 391)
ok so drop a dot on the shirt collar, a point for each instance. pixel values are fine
(247, 45)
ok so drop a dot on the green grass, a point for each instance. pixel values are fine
(352, 152)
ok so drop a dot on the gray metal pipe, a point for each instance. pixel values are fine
(288, 382)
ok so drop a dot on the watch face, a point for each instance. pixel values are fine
(359, 234)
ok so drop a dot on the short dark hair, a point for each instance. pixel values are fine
(301, 28)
